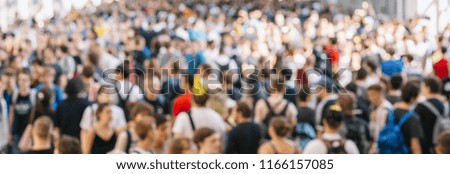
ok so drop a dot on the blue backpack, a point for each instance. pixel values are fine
(305, 132)
(392, 67)
(391, 140)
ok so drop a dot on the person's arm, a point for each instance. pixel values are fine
(265, 149)
(230, 148)
(121, 143)
(259, 118)
(415, 146)
(83, 140)
(293, 115)
(11, 124)
(25, 143)
(179, 126)
(88, 141)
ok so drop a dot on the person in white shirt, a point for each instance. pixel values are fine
(331, 142)
(200, 116)
(381, 108)
(127, 91)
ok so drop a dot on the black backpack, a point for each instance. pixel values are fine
(123, 103)
(335, 147)
(355, 130)
(271, 114)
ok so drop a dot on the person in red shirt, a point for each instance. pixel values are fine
(332, 52)
(441, 66)
(183, 102)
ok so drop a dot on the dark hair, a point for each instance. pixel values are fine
(396, 81)
(444, 49)
(69, 145)
(25, 72)
(286, 73)
(143, 127)
(88, 71)
(94, 58)
(200, 99)
(43, 125)
(281, 126)
(124, 70)
(444, 142)
(376, 87)
(361, 74)
(347, 103)
(74, 87)
(410, 91)
(243, 108)
(201, 134)
(43, 101)
(434, 84)
(277, 84)
(333, 117)
(141, 107)
(352, 87)
(371, 65)
(303, 93)
(179, 145)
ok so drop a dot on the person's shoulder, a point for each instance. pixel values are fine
(350, 147)
(316, 146)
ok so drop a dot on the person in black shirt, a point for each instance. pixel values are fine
(412, 130)
(431, 90)
(245, 137)
(21, 108)
(41, 135)
(102, 137)
(305, 113)
(394, 94)
(70, 111)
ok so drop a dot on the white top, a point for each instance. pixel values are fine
(317, 146)
(89, 119)
(3, 124)
(202, 117)
(135, 93)
(277, 103)
(378, 118)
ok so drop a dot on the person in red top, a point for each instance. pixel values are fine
(183, 102)
(333, 53)
(441, 66)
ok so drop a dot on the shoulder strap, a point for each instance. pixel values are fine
(283, 112)
(128, 141)
(433, 109)
(275, 151)
(405, 118)
(32, 96)
(268, 105)
(191, 121)
(446, 110)
(391, 118)
(129, 93)
(15, 95)
(92, 114)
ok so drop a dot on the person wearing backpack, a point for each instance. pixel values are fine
(433, 113)
(23, 102)
(127, 91)
(304, 130)
(327, 98)
(380, 108)
(279, 144)
(331, 142)
(355, 129)
(275, 105)
(403, 132)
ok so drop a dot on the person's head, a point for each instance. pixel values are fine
(104, 113)
(324, 87)
(162, 128)
(277, 86)
(410, 92)
(347, 102)
(361, 74)
(44, 97)
(182, 146)
(104, 94)
(24, 79)
(9, 78)
(279, 127)
(140, 110)
(74, 87)
(443, 144)
(207, 141)
(145, 128)
(187, 82)
(371, 66)
(200, 100)
(243, 112)
(396, 82)
(48, 75)
(375, 94)
(153, 87)
(88, 72)
(333, 118)
(304, 94)
(42, 128)
(122, 72)
(68, 145)
(431, 86)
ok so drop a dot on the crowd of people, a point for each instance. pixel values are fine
(224, 76)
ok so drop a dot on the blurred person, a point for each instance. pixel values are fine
(443, 143)
(198, 117)
(22, 108)
(331, 142)
(246, 137)
(304, 131)
(409, 123)
(182, 103)
(68, 123)
(102, 137)
(41, 136)
(279, 130)
(44, 104)
(275, 105)
(430, 110)
(4, 122)
(162, 135)
(127, 92)
(207, 141)
(47, 80)
(68, 145)
(145, 130)
(355, 129)
(380, 109)
(182, 146)
(327, 97)
(394, 92)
